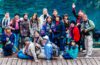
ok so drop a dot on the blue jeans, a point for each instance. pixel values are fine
(67, 56)
(15, 46)
(21, 55)
(7, 50)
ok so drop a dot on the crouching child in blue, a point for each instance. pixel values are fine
(7, 39)
(71, 51)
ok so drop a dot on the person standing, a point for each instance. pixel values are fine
(87, 29)
(75, 33)
(5, 21)
(43, 17)
(24, 29)
(14, 24)
(59, 34)
(78, 24)
(34, 24)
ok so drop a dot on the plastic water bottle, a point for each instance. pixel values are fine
(48, 51)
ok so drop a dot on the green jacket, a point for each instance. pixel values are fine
(89, 26)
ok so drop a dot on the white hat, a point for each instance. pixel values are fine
(46, 37)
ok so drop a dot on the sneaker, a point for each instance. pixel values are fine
(87, 56)
(61, 57)
(48, 61)
(83, 51)
(36, 61)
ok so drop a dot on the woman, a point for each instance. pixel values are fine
(67, 26)
(34, 23)
(47, 28)
(72, 51)
(75, 34)
(15, 28)
(5, 21)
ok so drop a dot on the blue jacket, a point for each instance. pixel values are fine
(11, 38)
(46, 27)
(59, 30)
(71, 53)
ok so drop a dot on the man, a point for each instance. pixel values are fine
(24, 29)
(43, 17)
(8, 40)
(87, 29)
(28, 52)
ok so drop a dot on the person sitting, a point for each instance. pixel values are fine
(28, 52)
(7, 40)
(45, 50)
(71, 51)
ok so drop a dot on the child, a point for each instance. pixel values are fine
(7, 40)
(71, 51)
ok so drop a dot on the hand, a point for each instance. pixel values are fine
(85, 30)
(50, 30)
(7, 39)
(73, 5)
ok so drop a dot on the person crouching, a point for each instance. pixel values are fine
(7, 39)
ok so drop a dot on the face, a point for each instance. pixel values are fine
(44, 41)
(73, 43)
(65, 17)
(55, 13)
(45, 11)
(7, 15)
(84, 18)
(8, 31)
(49, 19)
(17, 17)
(80, 13)
(27, 43)
(34, 16)
(25, 16)
(36, 34)
(57, 18)
(72, 25)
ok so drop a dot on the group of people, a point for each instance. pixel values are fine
(47, 36)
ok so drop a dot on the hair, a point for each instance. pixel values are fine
(59, 17)
(72, 21)
(36, 16)
(49, 17)
(16, 14)
(25, 14)
(71, 43)
(37, 19)
(37, 32)
(65, 15)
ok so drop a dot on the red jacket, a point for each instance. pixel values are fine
(76, 34)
